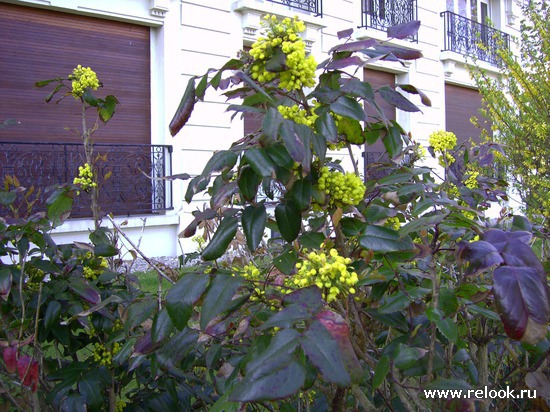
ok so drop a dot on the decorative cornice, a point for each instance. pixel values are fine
(159, 8)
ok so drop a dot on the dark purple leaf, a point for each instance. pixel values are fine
(183, 113)
(397, 99)
(481, 256)
(402, 31)
(522, 298)
(346, 62)
(411, 89)
(354, 46)
(400, 53)
(344, 33)
(82, 288)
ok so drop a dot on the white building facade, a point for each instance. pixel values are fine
(187, 37)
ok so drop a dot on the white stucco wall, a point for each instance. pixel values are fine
(190, 36)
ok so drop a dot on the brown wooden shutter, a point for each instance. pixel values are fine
(42, 44)
(378, 79)
(461, 104)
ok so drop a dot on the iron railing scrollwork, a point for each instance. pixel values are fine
(470, 38)
(312, 6)
(382, 14)
(129, 174)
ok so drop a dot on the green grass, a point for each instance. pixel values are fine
(149, 281)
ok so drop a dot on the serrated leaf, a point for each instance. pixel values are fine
(286, 261)
(397, 99)
(183, 295)
(384, 239)
(162, 326)
(324, 353)
(409, 88)
(260, 162)
(274, 373)
(348, 107)
(219, 297)
(223, 236)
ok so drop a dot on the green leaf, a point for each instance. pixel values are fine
(352, 226)
(301, 193)
(277, 63)
(380, 371)
(271, 123)
(51, 315)
(162, 326)
(289, 220)
(185, 108)
(312, 240)
(273, 374)
(449, 384)
(105, 250)
(260, 162)
(59, 205)
(348, 107)
(91, 387)
(384, 239)
(220, 161)
(280, 156)
(406, 357)
(138, 312)
(88, 292)
(393, 142)
(248, 183)
(254, 219)
(7, 198)
(323, 351)
(201, 87)
(218, 298)
(222, 238)
(292, 141)
(106, 108)
(326, 126)
(286, 261)
(445, 325)
(183, 295)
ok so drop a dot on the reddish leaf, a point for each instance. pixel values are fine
(28, 371)
(10, 359)
(481, 256)
(339, 330)
(183, 113)
(341, 63)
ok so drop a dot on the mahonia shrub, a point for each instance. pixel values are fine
(372, 290)
(369, 291)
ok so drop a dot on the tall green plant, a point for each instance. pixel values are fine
(516, 103)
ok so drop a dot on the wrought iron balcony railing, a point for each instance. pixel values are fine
(312, 6)
(128, 189)
(470, 38)
(381, 14)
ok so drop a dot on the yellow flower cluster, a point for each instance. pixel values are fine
(284, 35)
(441, 140)
(252, 273)
(83, 78)
(104, 356)
(92, 274)
(393, 222)
(298, 115)
(471, 181)
(328, 271)
(85, 177)
(343, 189)
(120, 405)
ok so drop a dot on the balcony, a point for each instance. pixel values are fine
(470, 38)
(382, 14)
(126, 191)
(313, 6)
